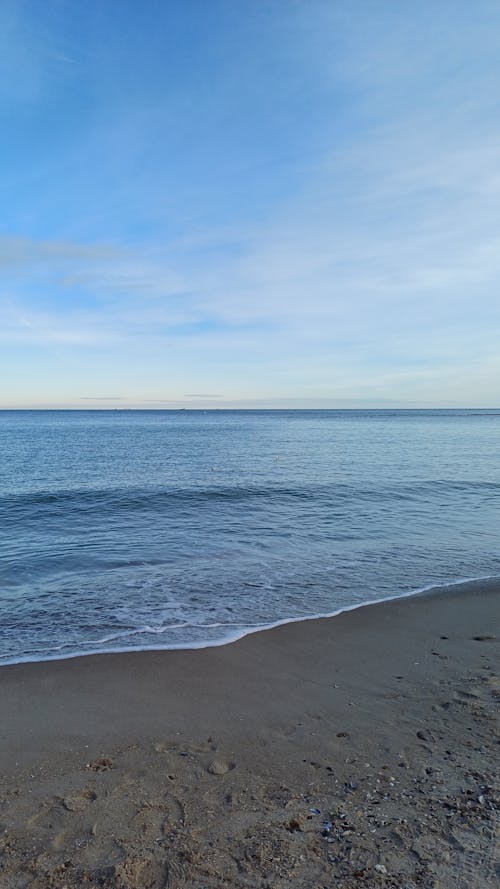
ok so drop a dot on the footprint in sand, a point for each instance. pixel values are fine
(425, 735)
(494, 684)
(62, 840)
(220, 766)
(77, 802)
(44, 812)
(467, 695)
(191, 750)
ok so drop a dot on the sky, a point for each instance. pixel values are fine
(249, 203)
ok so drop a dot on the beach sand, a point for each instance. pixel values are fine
(353, 751)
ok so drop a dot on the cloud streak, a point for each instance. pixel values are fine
(353, 254)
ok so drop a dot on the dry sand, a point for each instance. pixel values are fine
(354, 751)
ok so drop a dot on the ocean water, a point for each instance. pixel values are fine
(163, 529)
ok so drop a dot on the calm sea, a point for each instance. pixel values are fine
(122, 530)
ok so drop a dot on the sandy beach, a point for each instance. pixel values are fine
(345, 752)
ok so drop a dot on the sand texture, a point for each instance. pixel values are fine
(358, 751)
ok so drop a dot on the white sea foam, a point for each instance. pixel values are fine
(229, 638)
(137, 545)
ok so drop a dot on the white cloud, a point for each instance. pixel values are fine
(377, 273)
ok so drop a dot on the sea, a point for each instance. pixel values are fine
(124, 530)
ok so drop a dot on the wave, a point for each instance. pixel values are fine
(239, 631)
(116, 499)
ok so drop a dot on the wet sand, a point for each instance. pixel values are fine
(355, 751)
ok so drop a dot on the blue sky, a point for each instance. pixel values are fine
(249, 203)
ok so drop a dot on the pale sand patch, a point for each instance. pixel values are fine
(358, 751)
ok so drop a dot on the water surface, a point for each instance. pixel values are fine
(138, 529)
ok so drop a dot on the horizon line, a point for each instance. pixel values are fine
(242, 409)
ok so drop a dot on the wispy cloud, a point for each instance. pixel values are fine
(101, 397)
(29, 254)
(352, 248)
(24, 326)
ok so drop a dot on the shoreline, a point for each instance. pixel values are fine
(359, 750)
(433, 588)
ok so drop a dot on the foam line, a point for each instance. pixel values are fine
(241, 631)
